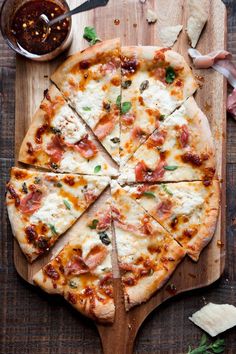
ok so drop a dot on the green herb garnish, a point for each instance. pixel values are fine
(90, 35)
(73, 284)
(170, 75)
(53, 229)
(118, 101)
(37, 180)
(59, 184)
(67, 204)
(54, 165)
(149, 194)
(87, 109)
(143, 86)
(56, 130)
(162, 117)
(94, 223)
(97, 168)
(126, 84)
(217, 346)
(125, 107)
(170, 168)
(165, 188)
(24, 188)
(104, 238)
(115, 140)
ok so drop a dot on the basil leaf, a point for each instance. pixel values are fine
(170, 168)
(125, 107)
(54, 165)
(73, 284)
(90, 35)
(53, 229)
(203, 340)
(104, 238)
(149, 194)
(126, 84)
(59, 184)
(87, 109)
(97, 168)
(24, 188)
(162, 117)
(170, 75)
(56, 130)
(115, 140)
(144, 85)
(94, 224)
(67, 204)
(165, 188)
(199, 350)
(118, 101)
(37, 180)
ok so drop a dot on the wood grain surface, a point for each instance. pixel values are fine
(43, 316)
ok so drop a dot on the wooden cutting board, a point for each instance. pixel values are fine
(32, 79)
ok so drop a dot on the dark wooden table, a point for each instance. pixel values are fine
(33, 322)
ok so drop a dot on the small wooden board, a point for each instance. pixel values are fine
(32, 79)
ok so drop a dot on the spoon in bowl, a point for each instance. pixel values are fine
(86, 6)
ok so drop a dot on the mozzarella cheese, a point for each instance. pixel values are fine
(53, 211)
(187, 201)
(71, 128)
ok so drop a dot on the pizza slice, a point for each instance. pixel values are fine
(82, 271)
(57, 140)
(42, 206)
(147, 254)
(91, 80)
(181, 149)
(155, 81)
(188, 210)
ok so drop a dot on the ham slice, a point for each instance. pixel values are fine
(143, 174)
(55, 149)
(221, 62)
(86, 148)
(31, 202)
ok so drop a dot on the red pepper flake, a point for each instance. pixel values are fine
(116, 21)
(171, 288)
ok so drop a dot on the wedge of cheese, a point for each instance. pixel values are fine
(215, 318)
(196, 20)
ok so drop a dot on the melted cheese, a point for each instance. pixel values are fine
(71, 128)
(53, 211)
(187, 201)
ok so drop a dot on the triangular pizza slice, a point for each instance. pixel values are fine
(57, 140)
(181, 149)
(155, 81)
(42, 206)
(82, 270)
(147, 253)
(91, 80)
(188, 210)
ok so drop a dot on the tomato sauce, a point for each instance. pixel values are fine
(30, 32)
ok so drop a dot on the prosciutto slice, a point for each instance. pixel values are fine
(221, 62)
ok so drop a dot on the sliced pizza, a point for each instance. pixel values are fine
(181, 149)
(155, 81)
(82, 271)
(91, 80)
(188, 210)
(147, 254)
(57, 140)
(42, 206)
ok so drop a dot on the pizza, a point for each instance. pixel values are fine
(42, 206)
(122, 117)
(147, 253)
(180, 149)
(82, 270)
(155, 81)
(91, 80)
(59, 141)
(188, 210)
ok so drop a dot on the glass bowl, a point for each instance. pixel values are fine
(8, 10)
